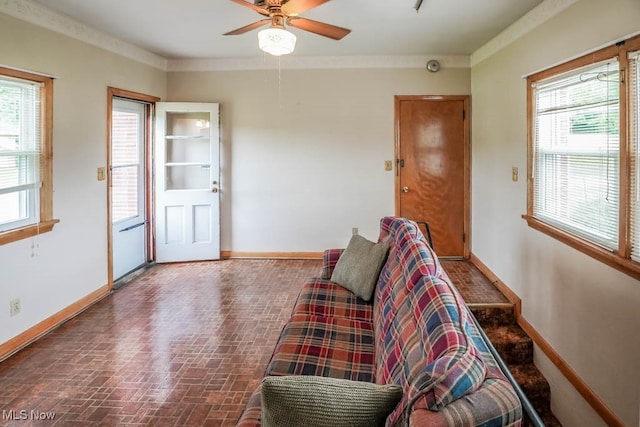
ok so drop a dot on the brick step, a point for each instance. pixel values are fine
(512, 344)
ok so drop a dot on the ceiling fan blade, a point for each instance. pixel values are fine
(296, 7)
(317, 27)
(252, 6)
(249, 27)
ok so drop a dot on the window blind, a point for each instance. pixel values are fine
(634, 149)
(19, 152)
(576, 153)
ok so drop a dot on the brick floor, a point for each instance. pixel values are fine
(182, 344)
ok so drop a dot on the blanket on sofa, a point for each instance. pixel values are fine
(416, 333)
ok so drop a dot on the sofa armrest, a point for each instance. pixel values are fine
(493, 404)
(329, 261)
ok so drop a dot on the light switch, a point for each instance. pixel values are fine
(514, 174)
(388, 165)
(101, 174)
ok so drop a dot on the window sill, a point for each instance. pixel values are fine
(26, 232)
(612, 259)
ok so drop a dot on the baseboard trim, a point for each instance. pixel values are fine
(270, 255)
(598, 405)
(585, 391)
(19, 342)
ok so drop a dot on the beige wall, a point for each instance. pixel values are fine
(72, 260)
(587, 311)
(303, 151)
(302, 154)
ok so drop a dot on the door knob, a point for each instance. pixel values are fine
(405, 189)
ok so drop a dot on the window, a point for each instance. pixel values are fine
(634, 150)
(584, 141)
(25, 155)
(126, 170)
(576, 155)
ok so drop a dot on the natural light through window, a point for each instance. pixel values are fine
(576, 152)
(19, 153)
(126, 169)
(634, 143)
(26, 155)
(583, 183)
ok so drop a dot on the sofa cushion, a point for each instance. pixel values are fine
(426, 348)
(324, 346)
(313, 401)
(324, 298)
(359, 266)
(330, 258)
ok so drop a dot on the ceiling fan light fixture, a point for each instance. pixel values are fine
(276, 41)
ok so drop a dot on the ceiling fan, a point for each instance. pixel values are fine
(286, 12)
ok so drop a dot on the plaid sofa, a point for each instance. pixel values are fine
(417, 333)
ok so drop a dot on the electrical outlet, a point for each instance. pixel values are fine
(388, 165)
(354, 230)
(102, 174)
(15, 306)
(514, 174)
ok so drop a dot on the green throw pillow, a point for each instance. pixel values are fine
(312, 401)
(359, 266)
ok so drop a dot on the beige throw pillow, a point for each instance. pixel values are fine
(359, 266)
(312, 401)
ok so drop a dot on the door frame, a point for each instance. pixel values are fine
(466, 123)
(149, 102)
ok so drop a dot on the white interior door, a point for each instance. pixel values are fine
(128, 219)
(187, 182)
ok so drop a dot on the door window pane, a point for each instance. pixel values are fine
(187, 177)
(124, 192)
(125, 173)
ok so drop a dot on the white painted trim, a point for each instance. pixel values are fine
(534, 18)
(36, 14)
(293, 62)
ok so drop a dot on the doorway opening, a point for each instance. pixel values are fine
(130, 185)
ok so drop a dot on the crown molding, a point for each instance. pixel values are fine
(36, 14)
(293, 62)
(534, 18)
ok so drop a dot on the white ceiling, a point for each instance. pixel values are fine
(180, 29)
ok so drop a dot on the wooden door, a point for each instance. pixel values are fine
(432, 175)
